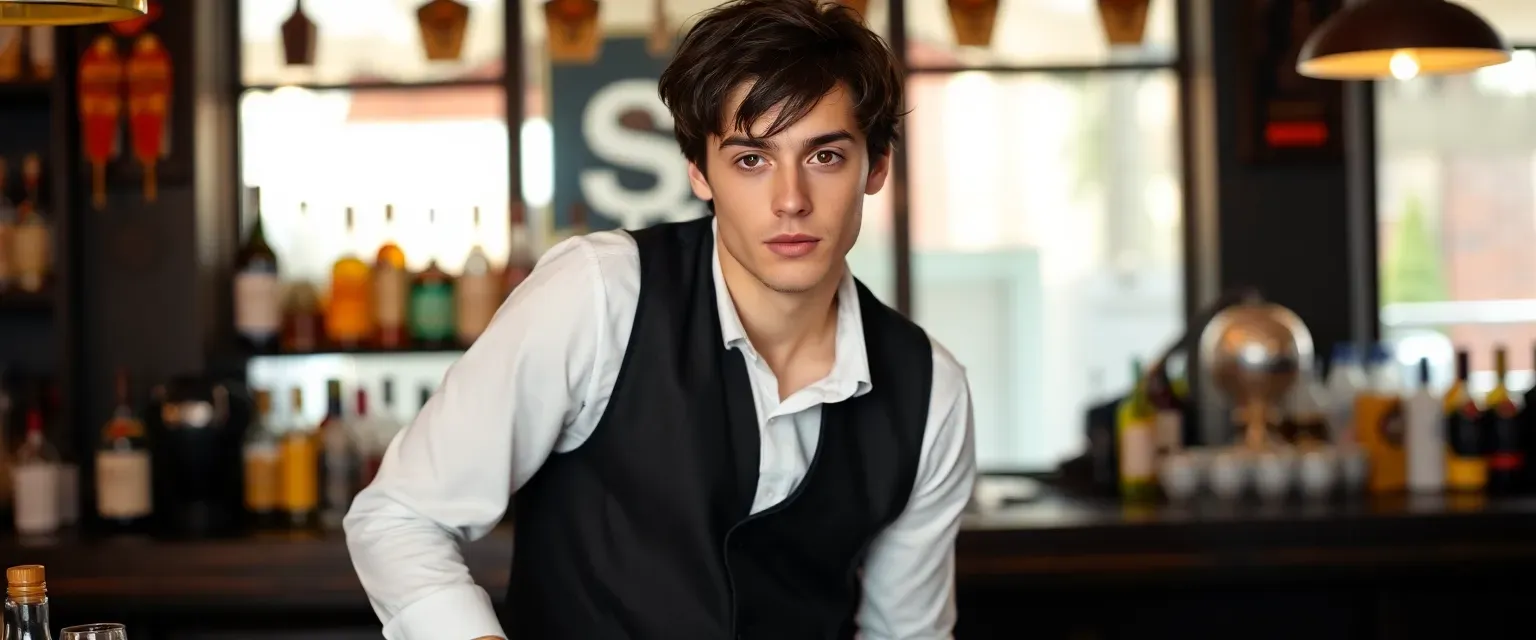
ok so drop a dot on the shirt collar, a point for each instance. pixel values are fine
(850, 367)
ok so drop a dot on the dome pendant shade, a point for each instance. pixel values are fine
(1377, 39)
(69, 12)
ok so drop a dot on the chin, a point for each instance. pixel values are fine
(794, 280)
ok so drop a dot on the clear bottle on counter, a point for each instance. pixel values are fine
(26, 603)
(36, 480)
(1426, 442)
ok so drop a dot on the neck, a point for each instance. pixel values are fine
(781, 325)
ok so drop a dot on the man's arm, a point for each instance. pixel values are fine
(909, 576)
(501, 410)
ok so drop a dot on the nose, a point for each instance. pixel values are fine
(790, 197)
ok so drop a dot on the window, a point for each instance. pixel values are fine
(1046, 252)
(1456, 209)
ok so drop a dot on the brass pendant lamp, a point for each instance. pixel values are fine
(1378, 39)
(69, 12)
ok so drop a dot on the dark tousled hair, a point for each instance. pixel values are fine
(794, 52)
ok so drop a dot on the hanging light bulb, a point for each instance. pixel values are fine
(1404, 65)
(1377, 39)
(69, 12)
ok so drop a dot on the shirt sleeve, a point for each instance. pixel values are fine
(909, 575)
(447, 477)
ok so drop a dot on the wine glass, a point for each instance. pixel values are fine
(100, 631)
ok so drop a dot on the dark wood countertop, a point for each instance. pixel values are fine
(1054, 542)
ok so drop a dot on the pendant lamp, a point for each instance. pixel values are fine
(69, 12)
(1377, 39)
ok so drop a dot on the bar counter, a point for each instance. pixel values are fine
(1063, 563)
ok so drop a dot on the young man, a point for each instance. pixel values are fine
(711, 429)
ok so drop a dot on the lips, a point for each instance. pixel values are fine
(793, 245)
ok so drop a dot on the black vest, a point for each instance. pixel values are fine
(644, 533)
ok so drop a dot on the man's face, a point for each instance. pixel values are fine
(788, 208)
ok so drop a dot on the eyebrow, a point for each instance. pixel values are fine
(768, 145)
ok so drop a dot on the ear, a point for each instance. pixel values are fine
(699, 183)
(878, 170)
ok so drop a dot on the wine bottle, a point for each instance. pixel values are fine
(26, 603)
(36, 480)
(123, 496)
(349, 316)
(1506, 457)
(475, 296)
(1136, 422)
(339, 462)
(391, 289)
(257, 290)
(1466, 468)
(432, 324)
(520, 257)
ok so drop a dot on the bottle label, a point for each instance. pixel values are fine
(263, 478)
(37, 498)
(389, 297)
(432, 312)
(123, 484)
(477, 302)
(1138, 451)
(29, 252)
(299, 459)
(258, 308)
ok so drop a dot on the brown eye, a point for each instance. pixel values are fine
(750, 161)
(826, 157)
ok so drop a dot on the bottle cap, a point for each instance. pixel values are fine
(26, 583)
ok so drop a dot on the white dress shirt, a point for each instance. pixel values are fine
(537, 383)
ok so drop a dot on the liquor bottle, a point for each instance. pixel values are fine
(123, 496)
(69, 465)
(391, 288)
(349, 312)
(31, 241)
(257, 290)
(1136, 424)
(520, 257)
(1379, 426)
(7, 229)
(299, 458)
(263, 473)
(432, 324)
(36, 480)
(1505, 452)
(339, 467)
(303, 322)
(1466, 468)
(377, 431)
(26, 603)
(1425, 437)
(476, 296)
